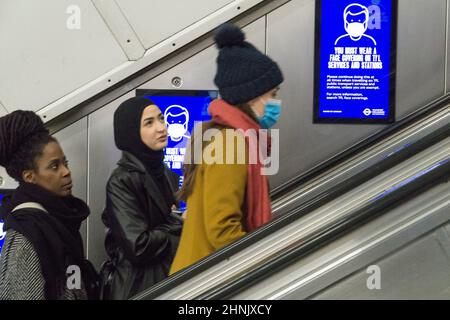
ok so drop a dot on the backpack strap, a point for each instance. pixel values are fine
(30, 205)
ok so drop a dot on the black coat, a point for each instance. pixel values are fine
(141, 238)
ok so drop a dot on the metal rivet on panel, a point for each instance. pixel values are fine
(177, 82)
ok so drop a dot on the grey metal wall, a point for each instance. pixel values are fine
(417, 271)
(103, 156)
(447, 82)
(287, 34)
(421, 56)
(73, 140)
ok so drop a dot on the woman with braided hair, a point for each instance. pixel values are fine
(42, 256)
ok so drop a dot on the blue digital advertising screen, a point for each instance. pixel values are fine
(181, 109)
(3, 193)
(355, 61)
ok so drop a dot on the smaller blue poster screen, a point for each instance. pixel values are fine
(355, 67)
(182, 109)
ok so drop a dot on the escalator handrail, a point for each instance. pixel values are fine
(276, 224)
(361, 162)
(358, 147)
(380, 205)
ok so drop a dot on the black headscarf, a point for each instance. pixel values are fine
(127, 134)
(55, 236)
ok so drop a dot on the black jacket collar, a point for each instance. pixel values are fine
(132, 163)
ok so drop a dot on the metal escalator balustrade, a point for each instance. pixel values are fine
(439, 120)
(386, 134)
(389, 235)
(438, 130)
(290, 236)
(325, 224)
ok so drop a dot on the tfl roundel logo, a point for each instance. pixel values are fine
(367, 112)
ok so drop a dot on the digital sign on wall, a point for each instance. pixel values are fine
(2, 233)
(182, 109)
(355, 61)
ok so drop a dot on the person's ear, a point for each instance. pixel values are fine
(28, 176)
(255, 104)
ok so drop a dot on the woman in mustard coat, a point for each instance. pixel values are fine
(227, 199)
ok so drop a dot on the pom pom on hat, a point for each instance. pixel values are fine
(229, 35)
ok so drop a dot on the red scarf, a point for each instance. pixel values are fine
(259, 209)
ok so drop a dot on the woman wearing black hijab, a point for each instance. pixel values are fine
(142, 236)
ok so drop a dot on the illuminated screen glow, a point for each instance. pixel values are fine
(355, 61)
(182, 110)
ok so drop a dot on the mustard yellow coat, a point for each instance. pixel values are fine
(214, 211)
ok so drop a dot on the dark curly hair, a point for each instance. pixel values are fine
(23, 137)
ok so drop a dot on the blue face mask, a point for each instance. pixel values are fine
(272, 111)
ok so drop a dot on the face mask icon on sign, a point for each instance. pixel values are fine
(177, 119)
(355, 29)
(356, 20)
